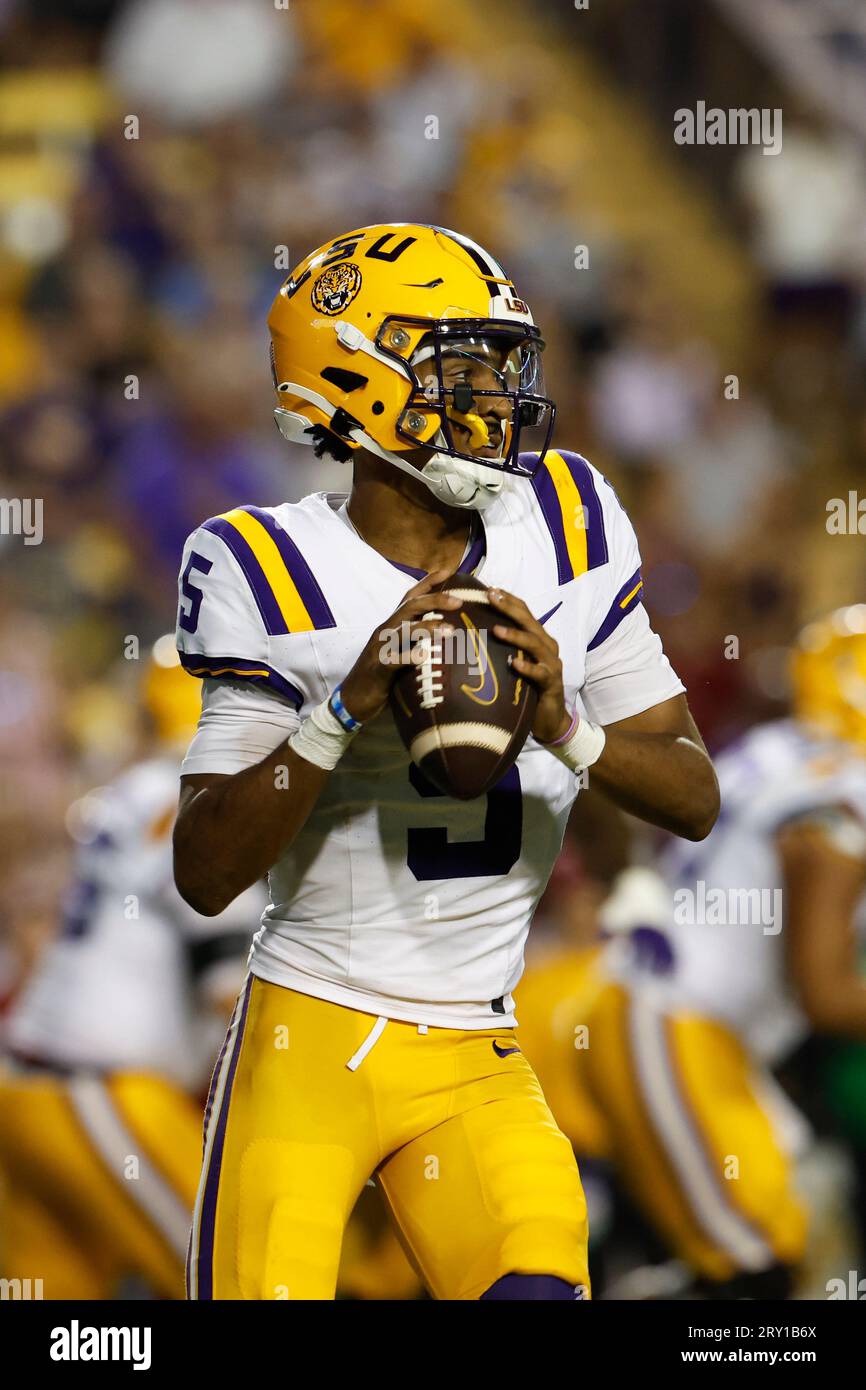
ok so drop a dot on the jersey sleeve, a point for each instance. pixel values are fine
(228, 610)
(240, 724)
(626, 668)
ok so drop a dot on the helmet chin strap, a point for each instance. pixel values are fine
(462, 484)
(457, 482)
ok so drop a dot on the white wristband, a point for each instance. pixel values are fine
(580, 749)
(321, 738)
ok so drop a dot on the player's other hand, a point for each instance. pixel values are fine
(539, 662)
(395, 644)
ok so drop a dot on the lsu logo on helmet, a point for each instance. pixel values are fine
(336, 288)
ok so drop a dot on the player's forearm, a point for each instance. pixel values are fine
(664, 778)
(231, 830)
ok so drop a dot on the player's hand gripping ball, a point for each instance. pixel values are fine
(462, 709)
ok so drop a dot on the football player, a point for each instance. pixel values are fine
(376, 1030)
(112, 1039)
(720, 969)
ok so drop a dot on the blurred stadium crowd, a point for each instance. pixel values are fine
(164, 162)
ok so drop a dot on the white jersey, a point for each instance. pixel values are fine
(114, 990)
(395, 899)
(726, 927)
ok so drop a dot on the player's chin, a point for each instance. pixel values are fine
(490, 451)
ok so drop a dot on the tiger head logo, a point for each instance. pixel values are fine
(336, 287)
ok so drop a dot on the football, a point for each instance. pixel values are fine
(462, 711)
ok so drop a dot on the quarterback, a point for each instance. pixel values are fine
(375, 1033)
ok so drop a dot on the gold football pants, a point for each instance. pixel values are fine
(98, 1177)
(309, 1099)
(691, 1135)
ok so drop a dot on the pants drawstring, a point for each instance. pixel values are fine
(368, 1044)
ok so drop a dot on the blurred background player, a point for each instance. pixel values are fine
(112, 1038)
(721, 969)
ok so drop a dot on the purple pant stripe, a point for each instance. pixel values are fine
(209, 1202)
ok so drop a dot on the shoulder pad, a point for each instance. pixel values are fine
(244, 581)
(282, 584)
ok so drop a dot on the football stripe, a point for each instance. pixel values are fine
(460, 734)
(466, 596)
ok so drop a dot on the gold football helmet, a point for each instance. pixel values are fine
(411, 342)
(829, 674)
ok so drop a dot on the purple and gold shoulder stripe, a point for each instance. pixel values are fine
(565, 488)
(629, 596)
(286, 592)
(239, 668)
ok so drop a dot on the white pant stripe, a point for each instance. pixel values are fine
(116, 1143)
(659, 1086)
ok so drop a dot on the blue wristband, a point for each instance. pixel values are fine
(336, 706)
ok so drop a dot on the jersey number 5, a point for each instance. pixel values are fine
(189, 620)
